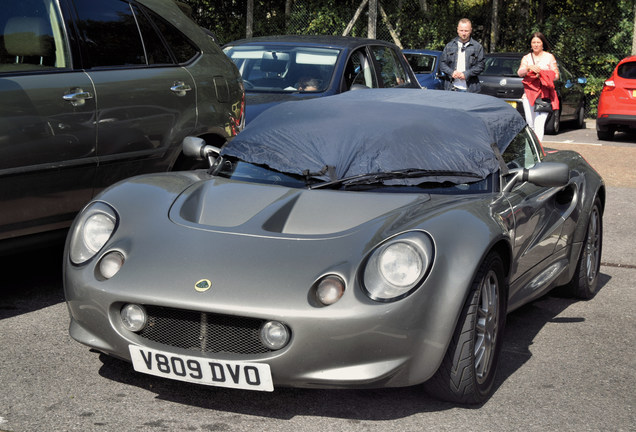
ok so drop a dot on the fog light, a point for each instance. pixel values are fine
(274, 335)
(133, 317)
(110, 264)
(329, 290)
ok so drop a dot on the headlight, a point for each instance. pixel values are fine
(398, 266)
(133, 317)
(274, 335)
(92, 230)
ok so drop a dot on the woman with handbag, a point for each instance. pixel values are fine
(539, 70)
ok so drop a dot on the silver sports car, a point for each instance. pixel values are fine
(370, 239)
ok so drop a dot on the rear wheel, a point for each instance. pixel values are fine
(580, 118)
(605, 135)
(467, 373)
(553, 124)
(584, 283)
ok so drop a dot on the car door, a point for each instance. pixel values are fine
(538, 221)
(146, 101)
(47, 132)
(571, 93)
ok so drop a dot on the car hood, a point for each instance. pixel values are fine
(261, 246)
(255, 209)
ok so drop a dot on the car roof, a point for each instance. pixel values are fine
(314, 40)
(628, 59)
(378, 130)
(505, 54)
(421, 51)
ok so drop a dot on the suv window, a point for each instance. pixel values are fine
(32, 37)
(113, 28)
(110, 28)
(391, 70)
(181, 47)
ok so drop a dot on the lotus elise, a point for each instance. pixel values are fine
(370, 239)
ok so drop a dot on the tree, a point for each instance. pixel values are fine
(494, 26)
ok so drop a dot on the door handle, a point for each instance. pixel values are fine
(77, 97)
(180, 88)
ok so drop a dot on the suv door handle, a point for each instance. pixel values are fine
(180, 88)
(77, 97)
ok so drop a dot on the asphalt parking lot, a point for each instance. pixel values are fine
(567, 365)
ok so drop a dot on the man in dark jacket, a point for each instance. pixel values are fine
(463, 60)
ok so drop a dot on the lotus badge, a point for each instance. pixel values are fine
(203, 285)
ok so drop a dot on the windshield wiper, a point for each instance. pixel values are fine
(373, 178)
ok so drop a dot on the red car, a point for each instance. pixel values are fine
(617, 103)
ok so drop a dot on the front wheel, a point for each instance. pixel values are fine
(467, 373)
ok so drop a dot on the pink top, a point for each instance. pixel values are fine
(545, 61)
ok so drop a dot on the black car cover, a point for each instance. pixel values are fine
(457, 136)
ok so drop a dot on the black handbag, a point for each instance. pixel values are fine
(543, 105)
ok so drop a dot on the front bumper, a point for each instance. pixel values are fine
(338, 350)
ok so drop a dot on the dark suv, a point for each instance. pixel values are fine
(94, 91)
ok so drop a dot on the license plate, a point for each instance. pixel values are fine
(513, 103)
(219, 373)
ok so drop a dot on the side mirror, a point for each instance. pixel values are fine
(545, 174)
(582, 80)
(197, 148)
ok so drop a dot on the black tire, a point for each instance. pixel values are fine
(580, 118)
(467, 373)
(584, 284)
(605, 135)
(553, 123)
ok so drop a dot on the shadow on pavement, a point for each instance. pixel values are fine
(31, 280)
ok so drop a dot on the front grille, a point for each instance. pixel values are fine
(203, 332)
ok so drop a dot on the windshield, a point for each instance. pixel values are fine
(502, 66)
(283, 68)
(432, 181)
